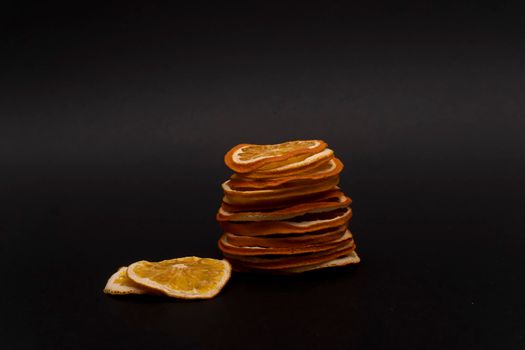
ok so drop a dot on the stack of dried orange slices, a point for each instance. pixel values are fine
(282, 210)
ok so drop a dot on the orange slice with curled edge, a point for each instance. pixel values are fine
(245, 158)
(331, 168)
(119, 283)
(188, 278)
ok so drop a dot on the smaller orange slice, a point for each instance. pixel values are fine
(188, 278)
(119, 283)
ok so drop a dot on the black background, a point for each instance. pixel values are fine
(114, 120)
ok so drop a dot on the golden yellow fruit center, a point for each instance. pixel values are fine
(257, 151)
(183, 274)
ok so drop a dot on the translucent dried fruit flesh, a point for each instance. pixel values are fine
(189, 277)
(253, 152)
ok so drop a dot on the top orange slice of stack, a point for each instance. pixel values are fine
(248, 158)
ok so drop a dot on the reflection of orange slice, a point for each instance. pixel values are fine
(285, 213)
(249, 157)
(227, 248)
(331, 168)
(299, 224)
(277, 194)
(287, 241)
(293, 168)
(119, 283)
(187, 278)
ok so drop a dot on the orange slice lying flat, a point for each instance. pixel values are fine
(119, 283)
(245, 158)
(188, 278)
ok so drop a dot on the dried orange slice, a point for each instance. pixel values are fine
(290, 168)
(341, 201)
(326, 196)
(228, 248)
(188, 278)
(119, 283)
(299, 224)
(281, 190)
(276, 195)
(245, 158)
(287, 241)
(278, 262)
(331, 168)
(351, 258)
